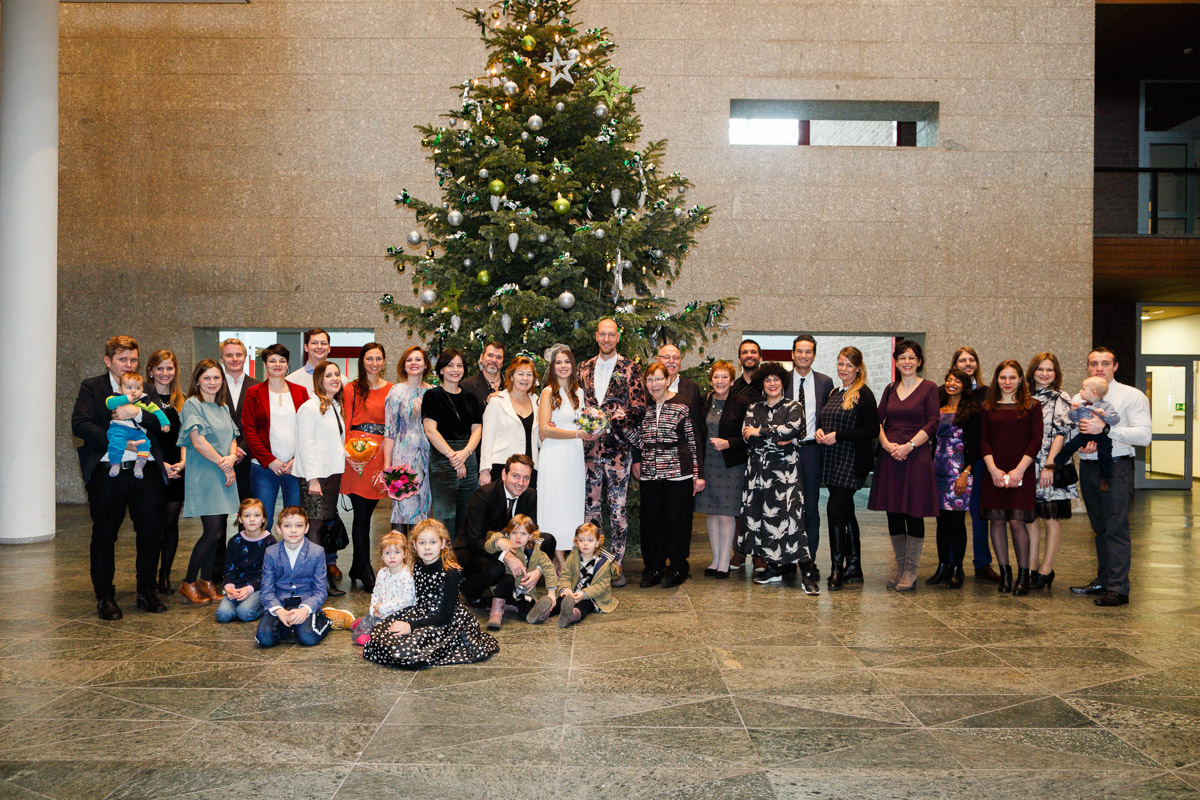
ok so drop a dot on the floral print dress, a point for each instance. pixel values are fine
(773, 502)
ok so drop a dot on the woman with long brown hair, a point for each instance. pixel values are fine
(162, 373)
(561, 495)
(404, 440)
(365, 416)
(967, 360)
(954, 459)
(320, 457)
(1010, 437)
(1052, 504)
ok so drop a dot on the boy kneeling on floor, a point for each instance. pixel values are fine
(293, 585)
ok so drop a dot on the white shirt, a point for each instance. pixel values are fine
(1134, 428)
(603, 374)
(234, 385)
(292, 554)
(810, 401)
(283, 425)
(674, 387)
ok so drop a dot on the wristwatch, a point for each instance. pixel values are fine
(1107, 428)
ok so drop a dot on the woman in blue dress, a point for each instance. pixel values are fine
(956, 454)
(404, 440)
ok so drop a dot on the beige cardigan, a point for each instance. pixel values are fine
(600, 589)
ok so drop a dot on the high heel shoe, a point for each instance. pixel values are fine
(941, 575)
(1021, 587)
(955, 581)
(365, 578)
(1040, 581)
(1005, 579)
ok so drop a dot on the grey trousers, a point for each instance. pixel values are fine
(1109, 514)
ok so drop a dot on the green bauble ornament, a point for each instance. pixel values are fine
(562, 206)
(528, 43)
(496, 187)
(484, 277)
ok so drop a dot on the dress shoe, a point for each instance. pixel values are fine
(193, 595)
(148, 601)
(333, 572)
(940, 575)
(1021, 587)
(1005, 579)
(709, 572)
(986, 574)
(1095, 587)
(107, 609)
(164, 582)
(209, 590)
(1112, 599)
(1040, 581)
(651, 577)
(332, 590)
(955, 581)
(721, 574)
(759, 564)
(674, 577)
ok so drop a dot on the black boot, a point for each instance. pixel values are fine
(1022, 585)
(837, 539)
(1039, 581)
(164, 582)
(955, 581)
(940, 575)
(1005, 579)
(852, 549)
(148, 601)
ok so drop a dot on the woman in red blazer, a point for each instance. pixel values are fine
(269, 424)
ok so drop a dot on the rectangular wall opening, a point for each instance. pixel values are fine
(833, 123)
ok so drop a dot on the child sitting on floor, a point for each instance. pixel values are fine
(293, 585)
(394, 587)
(1093, 405)
(438, 630)
(123, 431)
(518, 587)
(244, 565)
(586, 578)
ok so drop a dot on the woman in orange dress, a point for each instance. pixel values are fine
(364, 410)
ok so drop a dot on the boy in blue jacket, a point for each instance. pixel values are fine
(293, 585)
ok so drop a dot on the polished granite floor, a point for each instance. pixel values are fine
(711, 690)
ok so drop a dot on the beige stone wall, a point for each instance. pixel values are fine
(235, 165)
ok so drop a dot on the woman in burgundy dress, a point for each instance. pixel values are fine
(1010, 438)
(905, 485)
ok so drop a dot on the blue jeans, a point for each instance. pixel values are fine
(246, 610)
(308, 633)
(266, 485)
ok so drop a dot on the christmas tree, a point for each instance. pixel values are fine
(551, 216)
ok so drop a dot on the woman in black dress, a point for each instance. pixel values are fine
(163, 372)
(453, 422)
(773, 502)
(846, 426)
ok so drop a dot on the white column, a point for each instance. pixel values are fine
(28, 265)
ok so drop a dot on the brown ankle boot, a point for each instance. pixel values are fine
(193, 595)
(209, 590)
(496, 617)
(899, 550)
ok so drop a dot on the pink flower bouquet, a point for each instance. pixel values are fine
(399, 482)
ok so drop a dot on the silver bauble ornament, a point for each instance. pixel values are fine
(566, 300)
(600, 111)
(562, 15)
(427, 297)
(468, 263)
(505, 322)
(455, 218)
(560, 107)
(529, 256)
(534, 179)
(679, 212)
(511, 88)
(599, 233)
(414, 238)
(532, 16)
(545, 283)
(656, 253)
(573, 54)
(483, 173)
(455, 322)
(524, 136)
(542, 238)
(445, 205)
(534, 123)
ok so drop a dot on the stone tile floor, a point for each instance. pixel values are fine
(711, 690)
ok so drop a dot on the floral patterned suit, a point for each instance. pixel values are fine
(608, 458)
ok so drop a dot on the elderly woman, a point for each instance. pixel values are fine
(846, 426)
(1052, 504)
(510, 422)
(773, 502)
(668, 466)
(905, 486)
(725, 459)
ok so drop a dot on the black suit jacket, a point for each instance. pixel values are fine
(824, 388)
(235, 406)
(488, 511)
(752, 391)
(478, 386)
(730, 427)
(689, 394)
(89, 422)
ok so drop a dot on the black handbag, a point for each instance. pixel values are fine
(334, 536)
(1065, 476)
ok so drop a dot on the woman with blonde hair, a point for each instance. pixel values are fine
(846, 426)
(510, 422)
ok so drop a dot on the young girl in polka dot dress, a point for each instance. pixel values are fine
(438, 630)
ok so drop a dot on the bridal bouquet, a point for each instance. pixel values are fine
(592, 419)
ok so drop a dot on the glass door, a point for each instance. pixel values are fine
(1167, 462)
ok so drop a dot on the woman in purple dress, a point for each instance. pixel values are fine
(954, 455)
(904, 484)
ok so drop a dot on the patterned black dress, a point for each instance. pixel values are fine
(443, 630)
(773, 502)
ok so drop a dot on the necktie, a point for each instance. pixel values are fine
(801, 398)
(512, 502)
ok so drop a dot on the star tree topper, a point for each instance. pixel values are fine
(608, 85)
(559, 68)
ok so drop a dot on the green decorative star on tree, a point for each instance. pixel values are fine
(553, 214)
